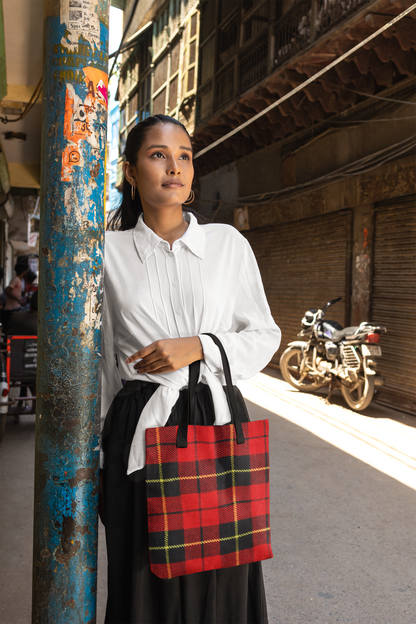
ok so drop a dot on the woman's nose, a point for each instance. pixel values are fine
(173, 167)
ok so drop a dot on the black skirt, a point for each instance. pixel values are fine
(136, 595)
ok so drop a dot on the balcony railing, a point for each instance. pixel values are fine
(224, 87)
(306, 21)
(252, 66)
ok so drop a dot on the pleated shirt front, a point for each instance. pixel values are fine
(207, 282)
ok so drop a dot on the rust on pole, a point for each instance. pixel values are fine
(74, 124)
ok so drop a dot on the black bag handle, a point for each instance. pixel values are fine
(181, 438)
(182, 435)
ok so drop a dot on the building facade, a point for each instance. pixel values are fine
(158, 74)
(324, 185)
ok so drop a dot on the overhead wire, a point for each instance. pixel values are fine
(304, 84)
(33, 99)
(133, 10)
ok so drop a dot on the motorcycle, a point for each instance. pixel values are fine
(332, 356)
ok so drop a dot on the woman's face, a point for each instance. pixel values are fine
(163, 171)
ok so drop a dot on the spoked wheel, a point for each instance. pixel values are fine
(360, 396)
(292, 367)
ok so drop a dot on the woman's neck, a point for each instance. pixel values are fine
(169, 225)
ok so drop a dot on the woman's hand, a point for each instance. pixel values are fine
(165, 356)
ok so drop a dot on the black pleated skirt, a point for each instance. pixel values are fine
(136, 595)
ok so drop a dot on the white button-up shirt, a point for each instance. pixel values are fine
(208, 282)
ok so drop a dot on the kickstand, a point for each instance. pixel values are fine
(331, 389)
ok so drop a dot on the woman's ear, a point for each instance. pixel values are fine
(129, 173)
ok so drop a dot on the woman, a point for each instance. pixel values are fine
(167, 281)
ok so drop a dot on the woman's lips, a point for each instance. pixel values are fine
(173, 185)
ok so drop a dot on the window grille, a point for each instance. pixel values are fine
(205, 102)
(175, 58)
(176, 16)
(191, 79)
(207, 60)
(207, 19)
(161, 73)
(256, 22)
(224, 87)
(159, 103)
(252, 67)
(173, 93)
(227, 7)
(227, 43)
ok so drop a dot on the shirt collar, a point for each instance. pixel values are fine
(146, 240)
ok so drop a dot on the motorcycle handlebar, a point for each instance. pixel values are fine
(326, 306)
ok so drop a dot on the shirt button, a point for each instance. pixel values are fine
(178, 311)
(174, 283)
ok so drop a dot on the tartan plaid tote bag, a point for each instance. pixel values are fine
(207, 490)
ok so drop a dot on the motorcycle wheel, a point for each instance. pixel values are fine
(361, 397)
(290, 368)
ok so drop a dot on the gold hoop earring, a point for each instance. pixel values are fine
(133, 191)
(190, 198)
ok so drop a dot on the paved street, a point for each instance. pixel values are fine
(342, 505)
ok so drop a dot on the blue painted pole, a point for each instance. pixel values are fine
(74, 123)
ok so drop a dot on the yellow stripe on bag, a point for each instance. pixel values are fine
(215, 474)
(211, 541)
(165, 516)
(237, 553)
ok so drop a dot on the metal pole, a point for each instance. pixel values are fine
(75, 80)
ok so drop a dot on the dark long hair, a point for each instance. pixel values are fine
(126, 215)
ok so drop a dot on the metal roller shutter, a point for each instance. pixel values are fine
(304, 264)
(394, 298)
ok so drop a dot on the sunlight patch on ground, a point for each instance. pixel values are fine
(383, 443)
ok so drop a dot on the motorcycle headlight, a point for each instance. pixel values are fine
(308, 319)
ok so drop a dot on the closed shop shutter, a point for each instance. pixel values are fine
(394, 299)
(303, 265)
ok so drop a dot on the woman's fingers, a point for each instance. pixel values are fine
(149, 366)
(139, 355)
(167, 355)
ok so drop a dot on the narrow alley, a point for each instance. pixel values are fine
(342, 508)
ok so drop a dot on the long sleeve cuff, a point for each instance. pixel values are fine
(212, 355)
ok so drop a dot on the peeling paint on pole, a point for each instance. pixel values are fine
(71, 253)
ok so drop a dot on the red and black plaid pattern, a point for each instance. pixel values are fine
(208, 504)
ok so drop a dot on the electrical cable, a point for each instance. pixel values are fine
(351, 122)
(304, 84)
(122, 38)
(33, 99)
(376, 97)
(360, 166)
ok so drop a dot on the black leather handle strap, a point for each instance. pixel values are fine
(182, 435)
(233, 403)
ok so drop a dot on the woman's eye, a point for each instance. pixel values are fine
(158, 155)
(185, 157)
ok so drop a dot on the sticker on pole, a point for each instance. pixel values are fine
(81, 18)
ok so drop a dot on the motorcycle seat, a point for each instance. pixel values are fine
(347, 332)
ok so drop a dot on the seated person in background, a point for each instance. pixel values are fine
(29, 288)
(13, 292)
(25, 323)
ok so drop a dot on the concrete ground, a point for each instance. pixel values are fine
(343, 511)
